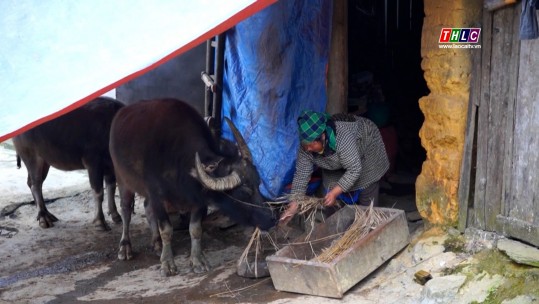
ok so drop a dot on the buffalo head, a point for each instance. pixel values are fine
(234, 183)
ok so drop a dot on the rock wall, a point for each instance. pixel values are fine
(447, 73)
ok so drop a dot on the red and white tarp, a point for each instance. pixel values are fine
(56, 55)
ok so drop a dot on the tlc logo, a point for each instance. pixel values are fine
(460, 35)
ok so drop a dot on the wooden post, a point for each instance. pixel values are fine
(337, 78)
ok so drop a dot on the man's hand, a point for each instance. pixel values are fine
(289, 213)
(331, 197)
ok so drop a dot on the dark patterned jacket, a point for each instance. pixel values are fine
(359, 161)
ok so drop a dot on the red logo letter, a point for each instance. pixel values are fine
(444, 35)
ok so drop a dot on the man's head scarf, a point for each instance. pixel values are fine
(312, 124)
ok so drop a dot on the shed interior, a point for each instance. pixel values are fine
(386, 81)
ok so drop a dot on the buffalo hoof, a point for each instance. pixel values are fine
(46, 219)
(116, 218)
(168, 268)
(44, 223)
(100, 224)
(125, 253)
(200, 264)
(157, 247)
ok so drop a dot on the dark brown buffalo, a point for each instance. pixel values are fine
(76, 140)
(163, 150)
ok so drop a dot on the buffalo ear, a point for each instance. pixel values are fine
(210, 167)
(215, 183)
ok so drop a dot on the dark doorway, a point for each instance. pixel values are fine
(386, 79)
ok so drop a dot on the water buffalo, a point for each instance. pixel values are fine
(163, 150)
(76, 140)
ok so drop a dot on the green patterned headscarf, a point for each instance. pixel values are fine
(311, 126)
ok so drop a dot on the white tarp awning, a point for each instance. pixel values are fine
(57, 55)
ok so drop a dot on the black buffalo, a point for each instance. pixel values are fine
(163, 150)
(76, 140)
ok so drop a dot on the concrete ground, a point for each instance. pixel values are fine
(72, 262)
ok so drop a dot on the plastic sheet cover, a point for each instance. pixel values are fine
(57, 55)
(275, 67)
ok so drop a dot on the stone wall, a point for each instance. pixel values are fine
(447, 73)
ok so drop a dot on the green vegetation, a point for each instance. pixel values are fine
(455, 244)
(519, 279)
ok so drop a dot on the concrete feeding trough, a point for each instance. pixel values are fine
(293, 269)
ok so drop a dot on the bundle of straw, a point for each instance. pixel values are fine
(308, 207)
(364, 222)
(255, 239)
(306, 204)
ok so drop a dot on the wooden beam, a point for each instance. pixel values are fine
(482, 122)
(467, 173)
(501, 101)
(337, 77)
(514, 62)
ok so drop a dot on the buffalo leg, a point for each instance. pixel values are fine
(198, 260)
(96, 182)
(156, 242)
(110, 182)
(37, 172)
(127, 201)
(168, 267)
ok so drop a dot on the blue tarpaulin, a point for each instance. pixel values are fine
(275, 67)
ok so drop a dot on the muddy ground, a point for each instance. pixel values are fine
(73, 262)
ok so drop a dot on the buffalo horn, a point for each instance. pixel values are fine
(242, 146)
(216, 183)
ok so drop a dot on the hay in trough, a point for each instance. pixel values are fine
(365, 220)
